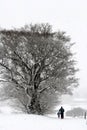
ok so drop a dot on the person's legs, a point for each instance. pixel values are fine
(58, 115)
(62, 115)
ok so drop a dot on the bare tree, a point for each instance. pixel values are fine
(37, 66)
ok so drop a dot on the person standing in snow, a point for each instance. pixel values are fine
(62, 112)
(59, 113)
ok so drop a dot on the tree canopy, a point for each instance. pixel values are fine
(37, 66)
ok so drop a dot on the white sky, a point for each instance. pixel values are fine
(66, 15)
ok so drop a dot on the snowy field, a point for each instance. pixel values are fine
(34, 122)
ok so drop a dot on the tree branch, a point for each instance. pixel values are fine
(43, 89)
(23, 63)
(7, 68)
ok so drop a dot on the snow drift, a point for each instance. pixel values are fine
(35, 122)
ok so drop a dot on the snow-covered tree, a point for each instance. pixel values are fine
(37, 67)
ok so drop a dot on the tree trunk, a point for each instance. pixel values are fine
(34, 106)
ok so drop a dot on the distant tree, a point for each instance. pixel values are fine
(76, 112)
(37, 67)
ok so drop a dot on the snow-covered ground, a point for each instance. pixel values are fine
(34, 122)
